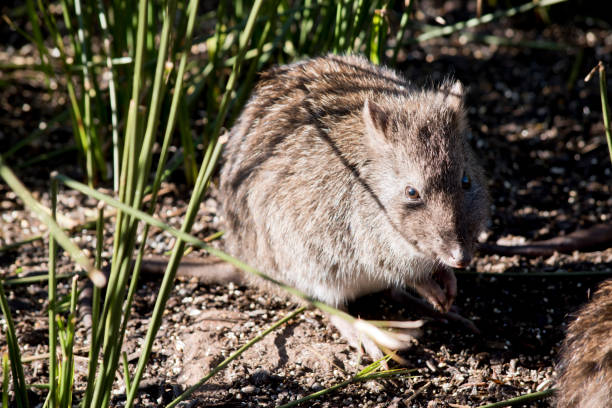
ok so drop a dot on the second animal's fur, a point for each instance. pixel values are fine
(342, 179)
(585, 369)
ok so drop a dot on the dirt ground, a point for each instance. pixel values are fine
(538, 129)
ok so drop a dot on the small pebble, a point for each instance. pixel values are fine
(249, 389)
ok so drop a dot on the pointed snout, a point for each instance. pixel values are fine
(460, 257)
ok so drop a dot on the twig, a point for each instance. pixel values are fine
(417, 393)
(597, 236)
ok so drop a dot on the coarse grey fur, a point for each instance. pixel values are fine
(316, 173)
(585, 367)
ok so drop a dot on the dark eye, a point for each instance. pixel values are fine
(466, 182)
(412, 194)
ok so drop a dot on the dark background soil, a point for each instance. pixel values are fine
(538, 129)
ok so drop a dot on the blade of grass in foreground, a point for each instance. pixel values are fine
(605, 107)
(134, 167)
(368, 373)
(75, 253)
(34, 279)
(603, 88)
(81, 137)
(66, 336)
(170, 123)
(112, 92)
(400, 32)
(86, 97)
(5, 379)
(523, 399)
(206, 169)
(95, 299)
(38, 41)
(19, 384)
(52, 302)
(378, 35)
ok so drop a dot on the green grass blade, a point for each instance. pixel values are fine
(486, 18)
(605, 107)
(246, 83)
(52, 302)
(168, 279)
(21, 243)
(112, 347)
(144, 161)
(189, 160)
(357, 378)
(362, 25)
(164, 152)
(67, 341)
(522, 400)
(192, 12)
(378, 35)
(324, 33)
(95, 304)
(338, 27)
(86, 225)
(19, 384)
(98, 387)
(38, 40)
(70, 31)
(306, 24)
(177, 98)
(75, 253)
(112, 91)
(75, 109)
(34, 279)
(400, 32)
(5, 379)
(126, 372)
(203, 177)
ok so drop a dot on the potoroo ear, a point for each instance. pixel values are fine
(453, 94)
(376, 124)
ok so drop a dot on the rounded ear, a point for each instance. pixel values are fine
(376, 123)
(453, 94)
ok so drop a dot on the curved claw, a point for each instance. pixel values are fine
(449, 282)
(441, 297)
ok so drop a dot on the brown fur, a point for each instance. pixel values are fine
(315, 174)
(585, 368)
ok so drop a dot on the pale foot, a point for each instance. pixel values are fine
(364, 336)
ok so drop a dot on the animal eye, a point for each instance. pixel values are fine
(412, 194)
(466, 182)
